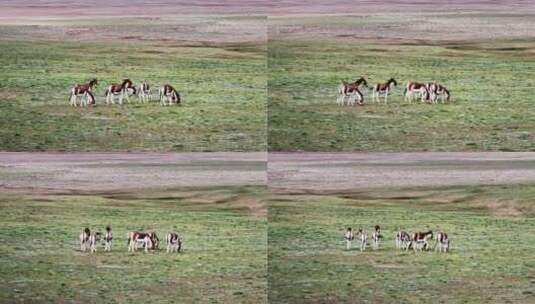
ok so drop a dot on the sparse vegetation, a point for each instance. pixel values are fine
(491, 82)
(490, 261)
(223, 260)
(223, 88)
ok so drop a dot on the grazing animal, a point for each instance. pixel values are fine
(108, 237)
(382, 89)
(348, 236)
(122, 90)
(416, 89)
(420, 240)
(84, 239)
(174, 242)
(403, 240)
(85, 91)
(350, 90)
(145, 92)
(149, 240)
(363, 239)
(436, 90)
(442, 242)
(168, 94)
(376, 237)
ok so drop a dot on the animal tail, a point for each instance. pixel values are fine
(405, 92)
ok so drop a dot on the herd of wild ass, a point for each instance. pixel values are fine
(418, 241)
(349, 92)
(147, 240)
(85, 92)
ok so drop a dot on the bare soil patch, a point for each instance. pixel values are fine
(108, 172)
(350, 172)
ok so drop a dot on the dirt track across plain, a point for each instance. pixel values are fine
(347, 172)
(102, 172)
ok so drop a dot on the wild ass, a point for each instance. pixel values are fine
(144, 92)
(413, 89)
(442, 242)
(382, 89)
(403, 240)
(108, 237)
(436, 90)
(420, 240)
(89, 240)
(168, 93)
(351, 91)
(84, 239)
(348, 236)
(94, 238)
(149, 240)
(174, 242)
(85, 91)
(122, 90)
(376, 237)
(363, 239)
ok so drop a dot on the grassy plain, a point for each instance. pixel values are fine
(224, 257)
(488, 67)
(491, 227)
(222, 79)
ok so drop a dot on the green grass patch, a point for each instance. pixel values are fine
(223, 88)
(490, 81)
(490, 261)
(223, 261)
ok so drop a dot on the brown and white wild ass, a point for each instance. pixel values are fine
(351, 92)
(363, 239)
(174, 242)
(89, 240)
(93, 240)
(108, 237)
(122, 90)
(84, 239)
(168, 93)
(403, 240)
(348, 236)
(382, 89)
(437, 90)
(442, 242)
(85, 91)
(416, 89)
(420, 240)
(376, 237)
(149, 240)
(145, 92)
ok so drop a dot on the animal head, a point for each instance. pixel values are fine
(127, 83)
(93, 82)
(360, 81)
(377, 228)
(349, 229)
(108, 228)
(392, 81)
(87, 231)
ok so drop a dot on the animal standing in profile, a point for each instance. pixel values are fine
(85, 92)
